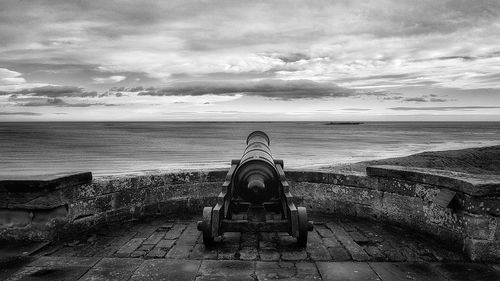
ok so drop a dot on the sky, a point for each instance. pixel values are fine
(383, 60)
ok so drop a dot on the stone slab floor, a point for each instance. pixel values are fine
(172, 249)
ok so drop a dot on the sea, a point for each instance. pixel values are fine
(108, 148)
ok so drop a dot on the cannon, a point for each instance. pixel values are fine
(255, 197)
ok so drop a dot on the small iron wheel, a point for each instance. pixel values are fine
(303, 226)
(208, 238)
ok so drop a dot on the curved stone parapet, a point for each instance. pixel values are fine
(459, 209)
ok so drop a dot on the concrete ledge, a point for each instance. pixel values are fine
(41, 182)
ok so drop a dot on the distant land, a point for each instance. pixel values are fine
(479, 160)
(343, 123)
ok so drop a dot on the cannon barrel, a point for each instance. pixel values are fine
(256, 178)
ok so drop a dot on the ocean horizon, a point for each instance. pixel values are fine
(104, 148)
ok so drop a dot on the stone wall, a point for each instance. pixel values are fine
(458, 208)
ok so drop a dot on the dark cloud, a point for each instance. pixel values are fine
(418, 99)
(53, 92)
(425, 98)
(444, 108)
(294, 57)
(20, 113)
(54, 102)
(356, 109)
(45, 101)
(274, 89)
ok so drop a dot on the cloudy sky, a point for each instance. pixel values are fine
(250, 60)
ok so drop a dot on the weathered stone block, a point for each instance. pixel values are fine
(90, 206)
(480, 205)
(15, 218)
(45, 216)
(353, 180)
(479, 227)
(307, 176)
(482, 250)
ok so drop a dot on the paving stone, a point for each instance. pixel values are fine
(200, 252)
(65, 252)
(406, 271)
(304, 271)
(248, 253)
(164, 227)
(112, 269)
(232, 238)
(145, 247)
(10, 264)
(268, 236)
(249, 240)
(108, 251)
(189, 236)
(357, 253)
(267, 245)
(269, 255)
(154, 238)
(287, 241)
(346, 271)
(323, 231)
(314, 239)
(162, 269)
(161, 249)
(330, 242)
(92, 249)
(121, 240)
(293, 254)
(394, 255)
(467, 271)
(179, 252)
(175, 231)
(228, 252)
(52, 274)
(138, 254)
(318, 253)
(375, 253)
(64, 261)
(227, 270)
(339, 254)
(145, 231)
(347, 225)
(358, 237)
(129, 247)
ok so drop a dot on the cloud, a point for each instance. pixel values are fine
(21, 113)
(418, 99)
(109, 80)
(9, 77)
(444, 108)
(35, 101)
(274, 89)
(53, 92)
(356, 109)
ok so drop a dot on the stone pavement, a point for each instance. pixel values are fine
(172, 249)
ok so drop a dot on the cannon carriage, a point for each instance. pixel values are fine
(255, 197)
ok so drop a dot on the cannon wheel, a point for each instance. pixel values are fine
(208, 238)
(303, 226)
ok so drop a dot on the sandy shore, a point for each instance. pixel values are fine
(480, 160)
